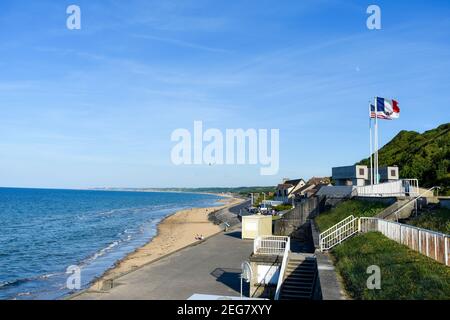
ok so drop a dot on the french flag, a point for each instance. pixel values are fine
(386, 109)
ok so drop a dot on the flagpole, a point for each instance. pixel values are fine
(376, 141)
(371, 146)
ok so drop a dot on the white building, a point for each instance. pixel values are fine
(359, 175)
(356, 175)
(286, 190)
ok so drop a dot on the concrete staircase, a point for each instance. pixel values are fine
(299, 278)
(388, 213)
(422, 204)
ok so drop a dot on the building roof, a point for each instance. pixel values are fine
(289, 183)
(284, 186)
(294, 182)
(319, 180)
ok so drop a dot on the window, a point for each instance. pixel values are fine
(393, 173)
(361, 171)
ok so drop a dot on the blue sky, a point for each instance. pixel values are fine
(96, 107)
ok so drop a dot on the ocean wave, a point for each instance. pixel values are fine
(17, 282)
(24, 294)
(13, 283)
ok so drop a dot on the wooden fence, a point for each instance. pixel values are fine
(429, 243)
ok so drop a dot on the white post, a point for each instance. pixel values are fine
(446, 250)
(241, 286)
(371, 146)
(376, 140)
(420, 241)
(435, 247)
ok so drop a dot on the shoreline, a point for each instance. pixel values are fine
(174, 233)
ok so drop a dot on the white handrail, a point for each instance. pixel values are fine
(336, 226)
(283, 269)
(390, 189)
(270, 245)
(409, 202)
(340, 234)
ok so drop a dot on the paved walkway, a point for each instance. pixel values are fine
(210, 267)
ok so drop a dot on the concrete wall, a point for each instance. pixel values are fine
(259, 263)
(297, 217)
(335, 191)
(328, 286)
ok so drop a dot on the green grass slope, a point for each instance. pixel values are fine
(405, 274)
(438, 220)
(356, 208)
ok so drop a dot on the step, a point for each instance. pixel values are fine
(300, 282)
(295, 297)
(300, 260)
(296, 271)
(305, 292)
(299, 276)
(291, 288)
(301, 266)
(309, 265)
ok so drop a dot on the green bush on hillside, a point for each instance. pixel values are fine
(423, 156)
(438, 220)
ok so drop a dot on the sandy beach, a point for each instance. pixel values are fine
(175, 232)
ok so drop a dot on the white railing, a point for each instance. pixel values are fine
(271, 245)
(400, 188)
(396, 212)
(410, 187)
(432, 244)
(335, 227)
(340, 232)
(283, 269)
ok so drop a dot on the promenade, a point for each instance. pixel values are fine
(209, 267)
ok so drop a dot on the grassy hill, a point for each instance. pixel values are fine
(344, 209)
(405, 274)
(425, 156)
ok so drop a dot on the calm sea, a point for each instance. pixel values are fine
(42, 232)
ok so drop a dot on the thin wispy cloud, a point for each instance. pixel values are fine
(181, 43)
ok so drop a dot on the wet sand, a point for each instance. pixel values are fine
(175, 232)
